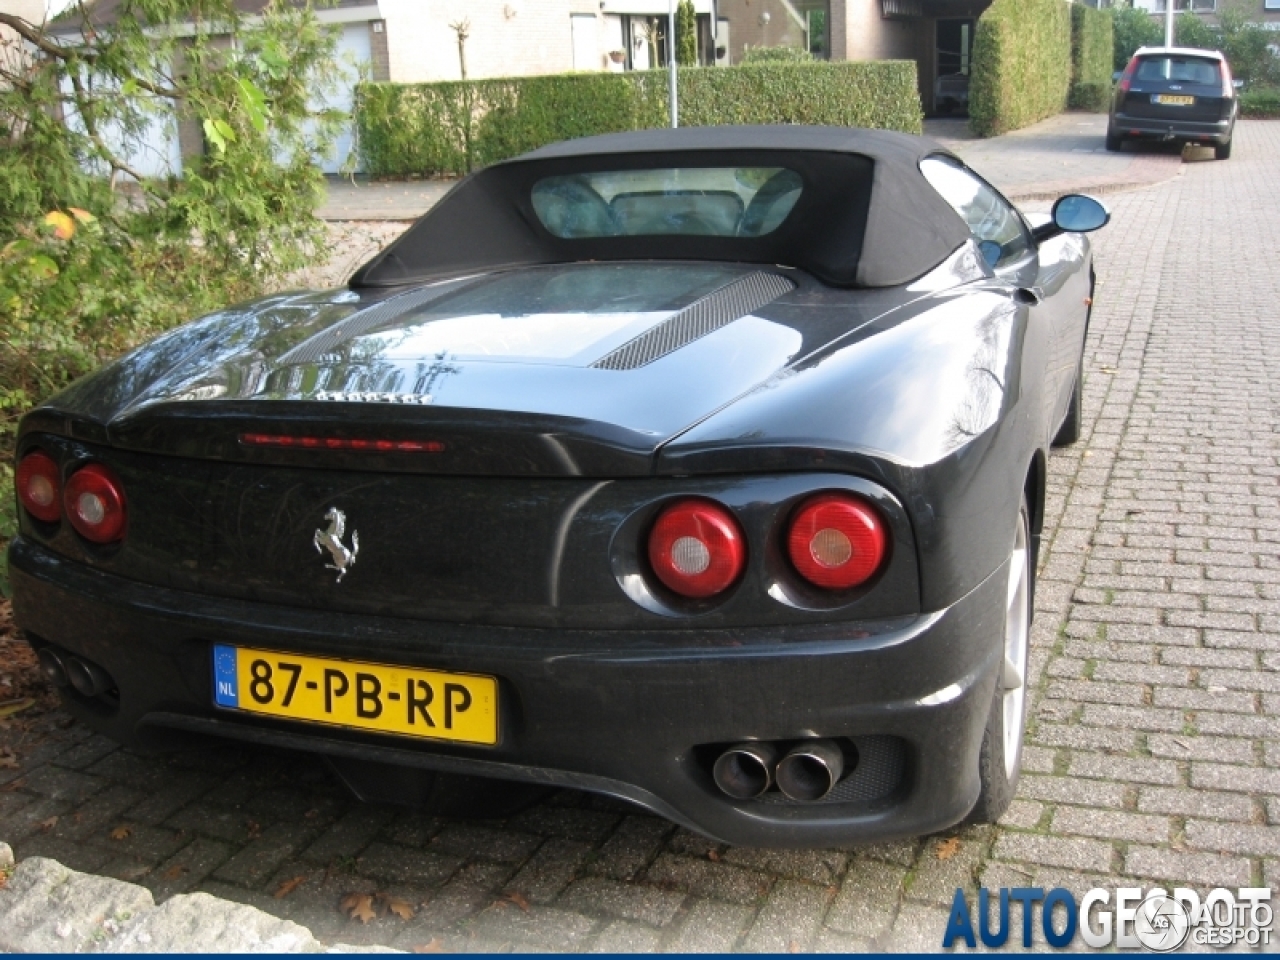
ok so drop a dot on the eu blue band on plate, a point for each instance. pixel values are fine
(225, 693)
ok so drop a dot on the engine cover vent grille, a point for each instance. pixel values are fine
(717, 309)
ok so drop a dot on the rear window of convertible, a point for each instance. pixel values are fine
(685, 201)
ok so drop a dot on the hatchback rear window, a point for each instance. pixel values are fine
(1179, 70)
(685, 201)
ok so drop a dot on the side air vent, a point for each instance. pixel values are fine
(364, 321)
(717, 309)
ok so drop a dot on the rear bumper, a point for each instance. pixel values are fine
(1218, 131)
(634, 714)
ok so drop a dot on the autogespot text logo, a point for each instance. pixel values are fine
(1155, 919)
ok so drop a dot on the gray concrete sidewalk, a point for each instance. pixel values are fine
(1064, 154)
(363, 199)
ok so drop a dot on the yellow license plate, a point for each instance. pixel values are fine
(368, 696)
(1171, 100)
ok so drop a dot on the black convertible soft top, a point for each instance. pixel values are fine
(865, 218)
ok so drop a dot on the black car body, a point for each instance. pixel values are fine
(1175, 93)
(439, 497)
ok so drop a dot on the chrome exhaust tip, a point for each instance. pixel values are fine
(745, 770)
(87, 677)
(810, 770)
(51, 663)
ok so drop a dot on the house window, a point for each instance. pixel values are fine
(1271, 4)
(1196, 6)
(901, 8)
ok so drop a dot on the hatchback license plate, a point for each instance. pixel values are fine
(369, 696)
(1170, 100)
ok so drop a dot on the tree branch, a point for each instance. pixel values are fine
(91, 128)
(37, 38)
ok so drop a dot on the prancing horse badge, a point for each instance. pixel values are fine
(331, 540)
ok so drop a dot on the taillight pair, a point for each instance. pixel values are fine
(835, 541)
(93, 498)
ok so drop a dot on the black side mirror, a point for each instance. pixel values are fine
(1115, 77)
(1074, 213)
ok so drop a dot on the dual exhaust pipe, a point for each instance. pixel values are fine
(65, 669)
(805, 773)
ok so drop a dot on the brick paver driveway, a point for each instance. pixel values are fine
(1154, 746)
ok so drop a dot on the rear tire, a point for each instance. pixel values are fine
(1000, 760)
(1069, 432)
(1113, 141)
(1222, 151)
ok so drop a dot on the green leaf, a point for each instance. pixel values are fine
(214, 136)
(42, 266)
(254, 103)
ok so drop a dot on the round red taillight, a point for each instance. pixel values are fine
(697, 549)
(836, 541)
(38, 484)
(94, 501)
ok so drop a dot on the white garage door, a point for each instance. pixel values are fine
(355, 54)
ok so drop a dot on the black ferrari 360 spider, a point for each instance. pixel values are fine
(703, 468)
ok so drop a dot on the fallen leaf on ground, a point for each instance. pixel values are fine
(311, 814)
(401, 908)
(519, 899)
(8, 759)
(47, 825)
(288, 887)
(948, 848)
(431, 946)
(174, 872)
(255, 828)
(358, 906)
(121, 833)
(793, 947)
(713, 855)
(10, 707)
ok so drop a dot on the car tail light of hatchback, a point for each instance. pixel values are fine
(38, 484)
(95, 505)
(697, 548)
(1127, 77)
(836, 541)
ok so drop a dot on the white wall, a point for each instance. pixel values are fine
(508, 37)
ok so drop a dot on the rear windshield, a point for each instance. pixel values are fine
(1179, 70)
(684, 201)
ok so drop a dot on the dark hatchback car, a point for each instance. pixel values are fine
(1175, 93)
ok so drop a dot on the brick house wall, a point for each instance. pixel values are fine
(11, 47)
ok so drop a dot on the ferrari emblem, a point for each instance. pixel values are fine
(331, 540)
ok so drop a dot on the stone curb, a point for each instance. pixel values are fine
(47, 908)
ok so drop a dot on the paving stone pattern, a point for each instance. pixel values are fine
(1153, 754)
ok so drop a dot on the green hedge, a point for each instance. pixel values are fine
(1021, 65)
(1092, 50)
(449, 128)
(1261, 102)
